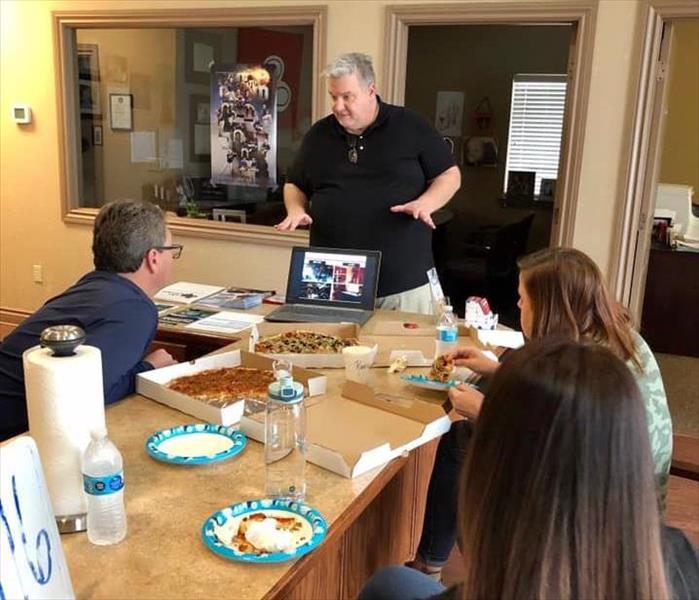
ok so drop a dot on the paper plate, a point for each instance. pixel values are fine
(425, 382)
(220, 528)
(196, 444)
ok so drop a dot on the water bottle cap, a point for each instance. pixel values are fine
(286, 390)
(99, 432)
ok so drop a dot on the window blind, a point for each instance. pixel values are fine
(536, 125)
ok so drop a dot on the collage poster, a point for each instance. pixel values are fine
(243, 126)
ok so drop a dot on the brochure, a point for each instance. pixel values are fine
(185, 316)
(186, 292)
(163, 308)
(225, 322)
(229, 299)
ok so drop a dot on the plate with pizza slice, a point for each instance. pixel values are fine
(196, 444)
(264, 531)
(425, 382)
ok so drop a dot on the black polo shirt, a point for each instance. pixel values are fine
(397, 155)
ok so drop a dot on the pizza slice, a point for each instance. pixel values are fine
(442, 368)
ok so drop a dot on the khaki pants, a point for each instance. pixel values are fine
(417, 300)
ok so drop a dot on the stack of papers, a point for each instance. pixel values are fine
(185, 316)
(186, 292)
(230, 299)
(226, 322)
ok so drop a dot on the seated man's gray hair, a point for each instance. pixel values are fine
(353, 62)
(125, 230)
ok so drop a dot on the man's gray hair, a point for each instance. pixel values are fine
(352, 62)
(125, 230)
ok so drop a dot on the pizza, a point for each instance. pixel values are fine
(442, 368)
(303, 342)
(259, 533)
(222, 386)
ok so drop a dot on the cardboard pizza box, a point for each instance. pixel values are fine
(153, 384)
(314, 361)
(418, 351)
(364, 429)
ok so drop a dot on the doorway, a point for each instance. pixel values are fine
(574, 22)
(497, 94)
(658, 267)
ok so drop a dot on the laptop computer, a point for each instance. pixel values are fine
(329, 285)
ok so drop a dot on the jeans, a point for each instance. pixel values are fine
(400, 583)
(439, 526)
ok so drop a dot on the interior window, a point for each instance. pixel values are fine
(536, 125)
(202, 121)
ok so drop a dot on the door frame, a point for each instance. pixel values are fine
(581, 13)
(629, 260)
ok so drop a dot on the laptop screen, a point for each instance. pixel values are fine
(333, 277)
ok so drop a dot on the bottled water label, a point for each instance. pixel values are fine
(447, 335)
(103, 486)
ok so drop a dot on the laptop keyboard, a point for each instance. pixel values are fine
(316, 314)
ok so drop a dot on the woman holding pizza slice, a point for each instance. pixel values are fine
(561, 294)
(557, 498)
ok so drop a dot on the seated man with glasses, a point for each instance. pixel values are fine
(133, 253)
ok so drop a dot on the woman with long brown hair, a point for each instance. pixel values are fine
(561, 293)
(557, 498)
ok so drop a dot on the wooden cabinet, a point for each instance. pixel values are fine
(670, 321)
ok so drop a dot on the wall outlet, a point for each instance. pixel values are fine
(38, 273)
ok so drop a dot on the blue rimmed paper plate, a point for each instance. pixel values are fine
(196, 444)
(425, 382)
(222, 533)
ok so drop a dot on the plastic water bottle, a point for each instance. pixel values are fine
(103, 482)
(447, 332)
(285, 440)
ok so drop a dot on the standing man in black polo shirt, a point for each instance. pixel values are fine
(374, 173)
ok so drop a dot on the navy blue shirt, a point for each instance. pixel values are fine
(117, 317)
(397, 156)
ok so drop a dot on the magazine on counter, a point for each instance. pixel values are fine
(225, 322)
(161, 307)
(186, 292)
(228, 299)
(237, 297)
(185, 316)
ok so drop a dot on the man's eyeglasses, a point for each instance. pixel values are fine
(176, 250)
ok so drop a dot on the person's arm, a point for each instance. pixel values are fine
(466, 400)
(295, 202)
(475, 360)
(439, 191)
(123, 336)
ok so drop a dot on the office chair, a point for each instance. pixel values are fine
(487, 265)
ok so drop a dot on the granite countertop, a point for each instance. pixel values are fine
(163, 554)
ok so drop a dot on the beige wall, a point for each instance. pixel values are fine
(150, 56)
(680, 158)
(31, 229)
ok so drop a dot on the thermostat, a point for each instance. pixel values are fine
(21, 113)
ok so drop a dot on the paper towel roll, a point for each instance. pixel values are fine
(65, 401)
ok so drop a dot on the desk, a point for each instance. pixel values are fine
(670, 318)
(374, 520)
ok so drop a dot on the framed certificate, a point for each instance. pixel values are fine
(121, 111)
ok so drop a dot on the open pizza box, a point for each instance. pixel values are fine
(414, 329)
(153, 384)
(316, 361)
(418, 351)
(363, 429)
